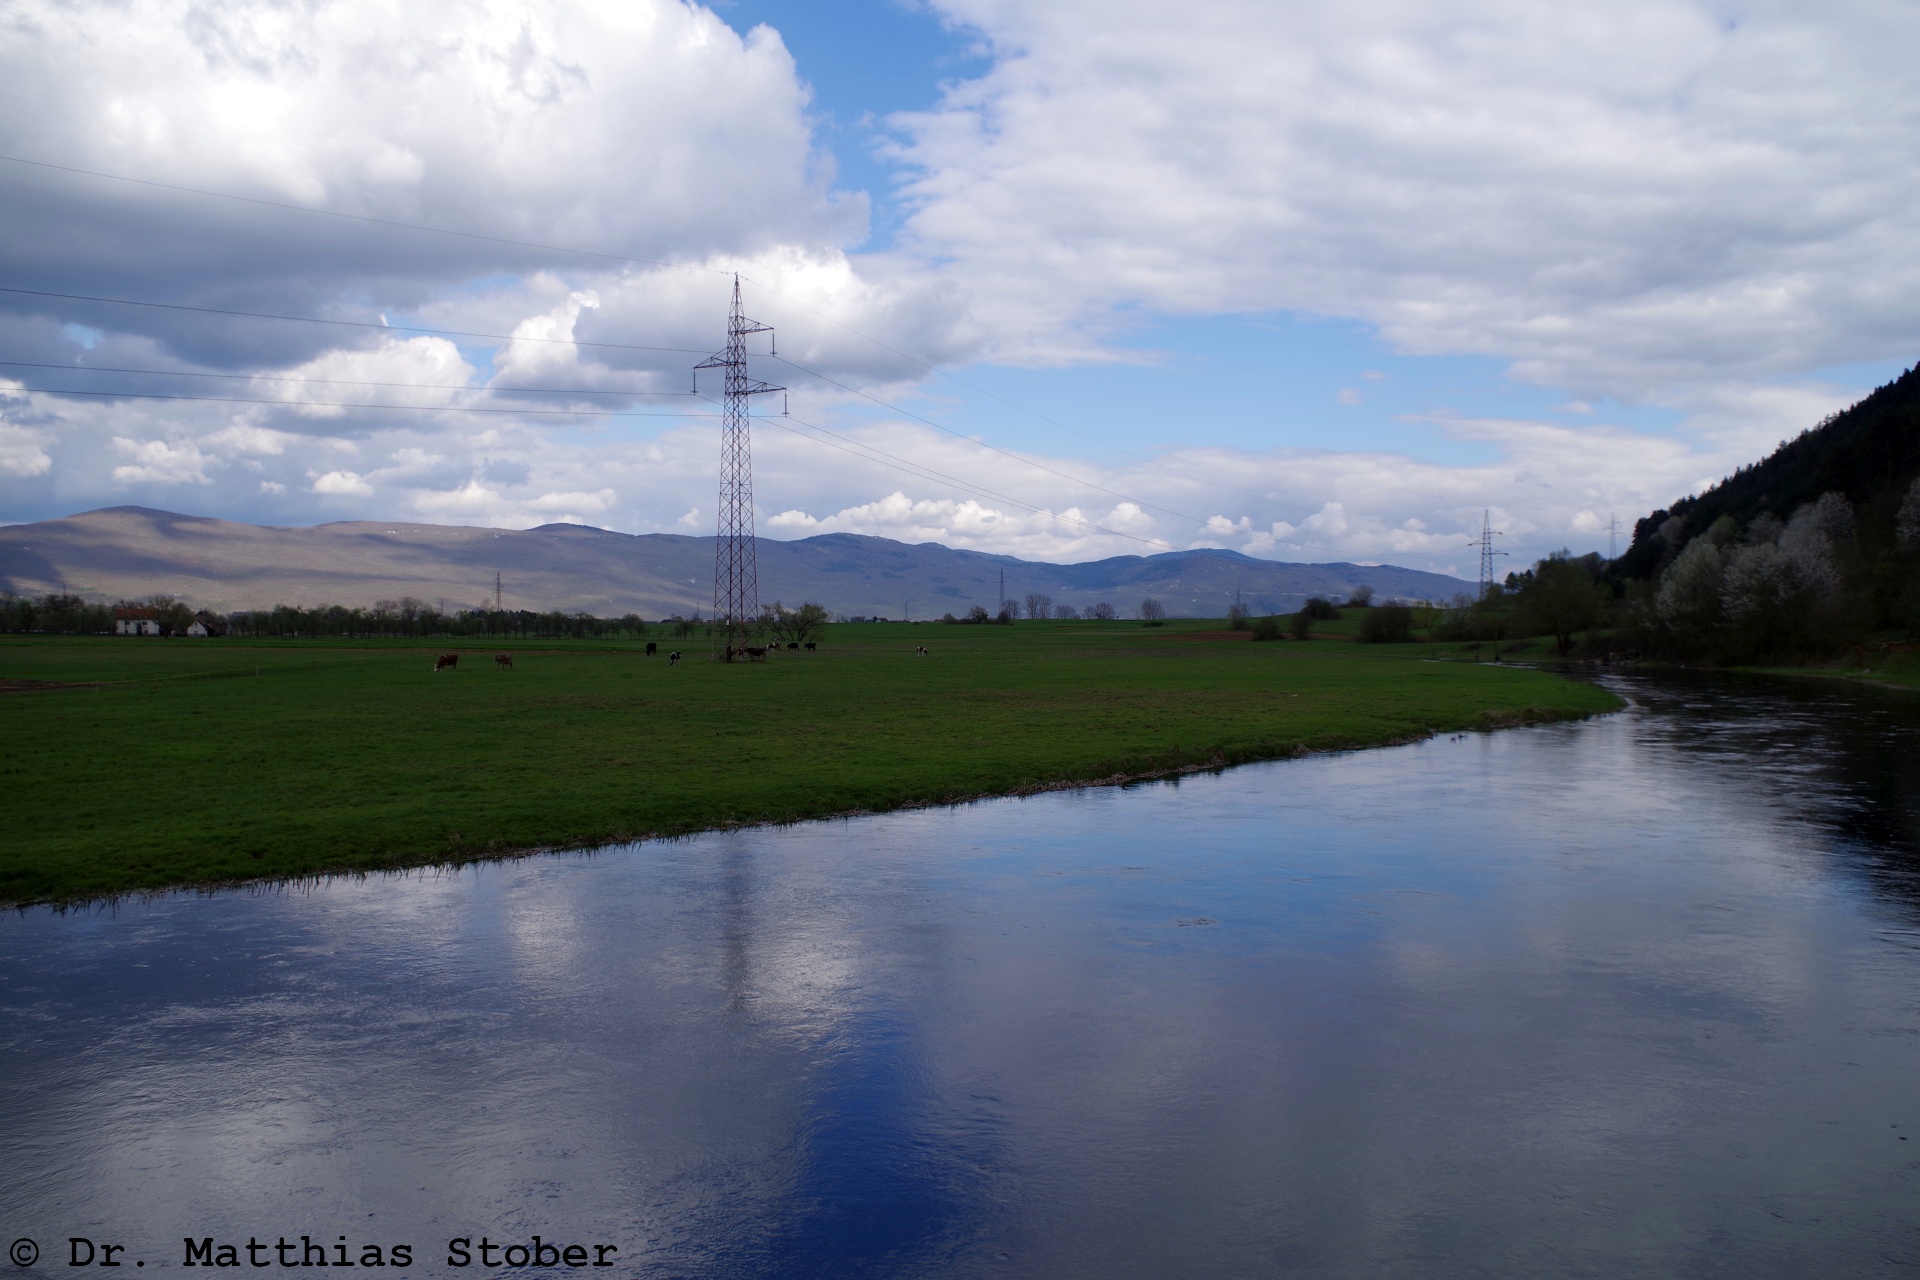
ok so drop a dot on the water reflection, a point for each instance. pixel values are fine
(1627, 997)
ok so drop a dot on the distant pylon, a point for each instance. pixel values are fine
(1485, 542)
(736, 586)
(1613, 537)
(496, 591)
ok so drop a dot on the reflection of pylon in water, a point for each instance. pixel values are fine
(1485, 542)
(736, 587)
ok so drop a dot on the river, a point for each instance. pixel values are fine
(1634, 996)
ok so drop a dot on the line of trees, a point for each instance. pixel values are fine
(64, 614)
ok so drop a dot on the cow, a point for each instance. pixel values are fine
(652, 648)
(503, 660)
(446, 660)
(673, 657)
(793, 644)
(808, 646)
(757, 652)
(921, 650)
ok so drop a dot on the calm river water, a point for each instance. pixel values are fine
(1639, 996)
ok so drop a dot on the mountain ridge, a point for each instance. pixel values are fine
(133, 551)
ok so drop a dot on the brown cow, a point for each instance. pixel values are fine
(446, 660)
(503, 660)
(758, 652)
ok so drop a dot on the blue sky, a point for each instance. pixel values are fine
(1308, 281)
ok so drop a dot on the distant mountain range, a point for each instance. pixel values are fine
(133, 552)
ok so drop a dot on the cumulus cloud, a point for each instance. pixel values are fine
(342, 484)
(1668, 203)
(21, 453)
(1641, 202)
(160, 462)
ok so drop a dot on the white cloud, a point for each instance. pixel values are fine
(342, 484)
(1665, 197)
(160, 462)
(600, 500)
(21, 453)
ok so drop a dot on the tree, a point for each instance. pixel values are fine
(1237, 615)
(1267, 629)
(1360, 597)
(1065, 612)
(1561, 597)
(1388, 624)
(795, 625)
(978, 613)
(1300, 625)
(1152, 612)
(1039, 606)
(1102, 612)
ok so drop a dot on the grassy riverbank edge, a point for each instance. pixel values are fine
(134, 770)
(1107, 775)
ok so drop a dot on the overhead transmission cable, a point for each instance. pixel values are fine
(611, 257)
(1011, 404)
(522, 410)
(330, 382)
(983, 445)
(356, 217)
(351, 324)
(872, 453)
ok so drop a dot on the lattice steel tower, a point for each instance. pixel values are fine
(1485, 542)
(736, 586)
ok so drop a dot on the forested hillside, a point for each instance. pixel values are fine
(1869, 454)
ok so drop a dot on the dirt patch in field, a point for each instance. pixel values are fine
(1215, 637)
(45, 686)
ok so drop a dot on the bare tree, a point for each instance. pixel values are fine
(1039, 606)
(1102, 612)
(1152, 612)
(1065, 612)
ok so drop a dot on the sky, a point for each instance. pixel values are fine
(1311, 281)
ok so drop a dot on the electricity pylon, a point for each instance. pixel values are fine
(736, 585)
(1485, 542)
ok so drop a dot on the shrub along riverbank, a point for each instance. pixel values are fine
(134, 764)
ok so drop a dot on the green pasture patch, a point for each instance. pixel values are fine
(134, 763)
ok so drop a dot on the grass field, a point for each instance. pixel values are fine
(129, 763)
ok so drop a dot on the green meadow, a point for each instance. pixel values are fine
(134, 764)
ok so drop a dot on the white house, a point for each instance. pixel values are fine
(135, 622)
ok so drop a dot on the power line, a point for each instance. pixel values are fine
(609, 257)
(332, 404)
(329, 382)
(1011, 404)
(352, 324)
(1113, 493)
(358, 217)
(922, 472)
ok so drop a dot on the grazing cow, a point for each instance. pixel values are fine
(758, 652)
(673, 657)
(808, 646)
(921, 650)
(446, 660)
(503, 660)
(793, 644)
(652, 648)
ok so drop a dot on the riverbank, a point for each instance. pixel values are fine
(143, 764)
